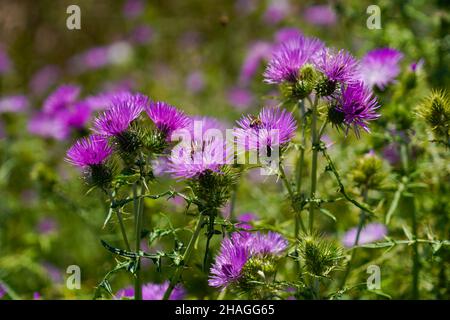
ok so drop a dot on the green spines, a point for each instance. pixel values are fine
(435, 110)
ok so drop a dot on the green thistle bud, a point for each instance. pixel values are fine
(304, 85)
(368, 172)
(320, 256)
(335, 116)
(325, 87)
(435, 110)
(257, 268)
(99, 175)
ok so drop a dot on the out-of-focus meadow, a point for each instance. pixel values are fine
(207, 58)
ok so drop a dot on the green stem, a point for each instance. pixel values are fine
(120, 219)
(138, 206)
(314, 142)
(415, 256)
(301, 160)
(362, 220)
(185, 259)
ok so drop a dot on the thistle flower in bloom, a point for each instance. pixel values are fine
(289, 57)
(355, 107)
(153, 291)
(380, 67)
(370, 233)
(189, 160)
(286, 34)
(89, 151)
(166, 117)
(241, 249)
(262, 131)
(118, 117)
(337, 66)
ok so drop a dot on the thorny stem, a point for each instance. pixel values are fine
(314, 143)
(136, 210)
(332, 168)
(362, 220)
(120, 219)
(185, 258)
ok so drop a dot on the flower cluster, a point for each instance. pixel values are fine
(242, 253)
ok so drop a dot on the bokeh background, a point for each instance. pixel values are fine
(207, 58)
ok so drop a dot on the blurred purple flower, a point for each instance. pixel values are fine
(380, 67)
(391, 153)
(195, 82)
(89, 151)
(153, 291)
(240, 98)
(276, 11)
(43, 79)
(2, 291)
(142, 34)
(320, 15)
(48, 126)
(257, 52)
(14, 104)
(370, 233)
(47, 225)
(286, 34)
(61, 99)
(245, 219)
(417, 66)
(133, 8)
(54, 272)
(37, 296)
(104, 100)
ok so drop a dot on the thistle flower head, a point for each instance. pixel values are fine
(380, 67)
(245, 253)
(92, 150)
(368, 171)
(337, 66)
(355, 107)
(272, 127)
(320, 256)
(123, 110)
(369, 233)
(435, 110)
(289, 57)
(153, 291)
(166, 117)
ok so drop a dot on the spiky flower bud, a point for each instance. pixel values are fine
(303, 86)
(435, 110)
(368, 172)
(325, 87)
(320, 256)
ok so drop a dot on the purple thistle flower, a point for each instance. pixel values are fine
(358, 106)
(237, 250)
(289, 57)
(273, 126)
(370, 233)
(166, 118)
(14, 104)
(61, 99)
(190, 160)
(337, 66)
(89, 151)
(153, 291)
(267, 244)
(228, 265)
(124, 109)
(320, 15)
(380, 67)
